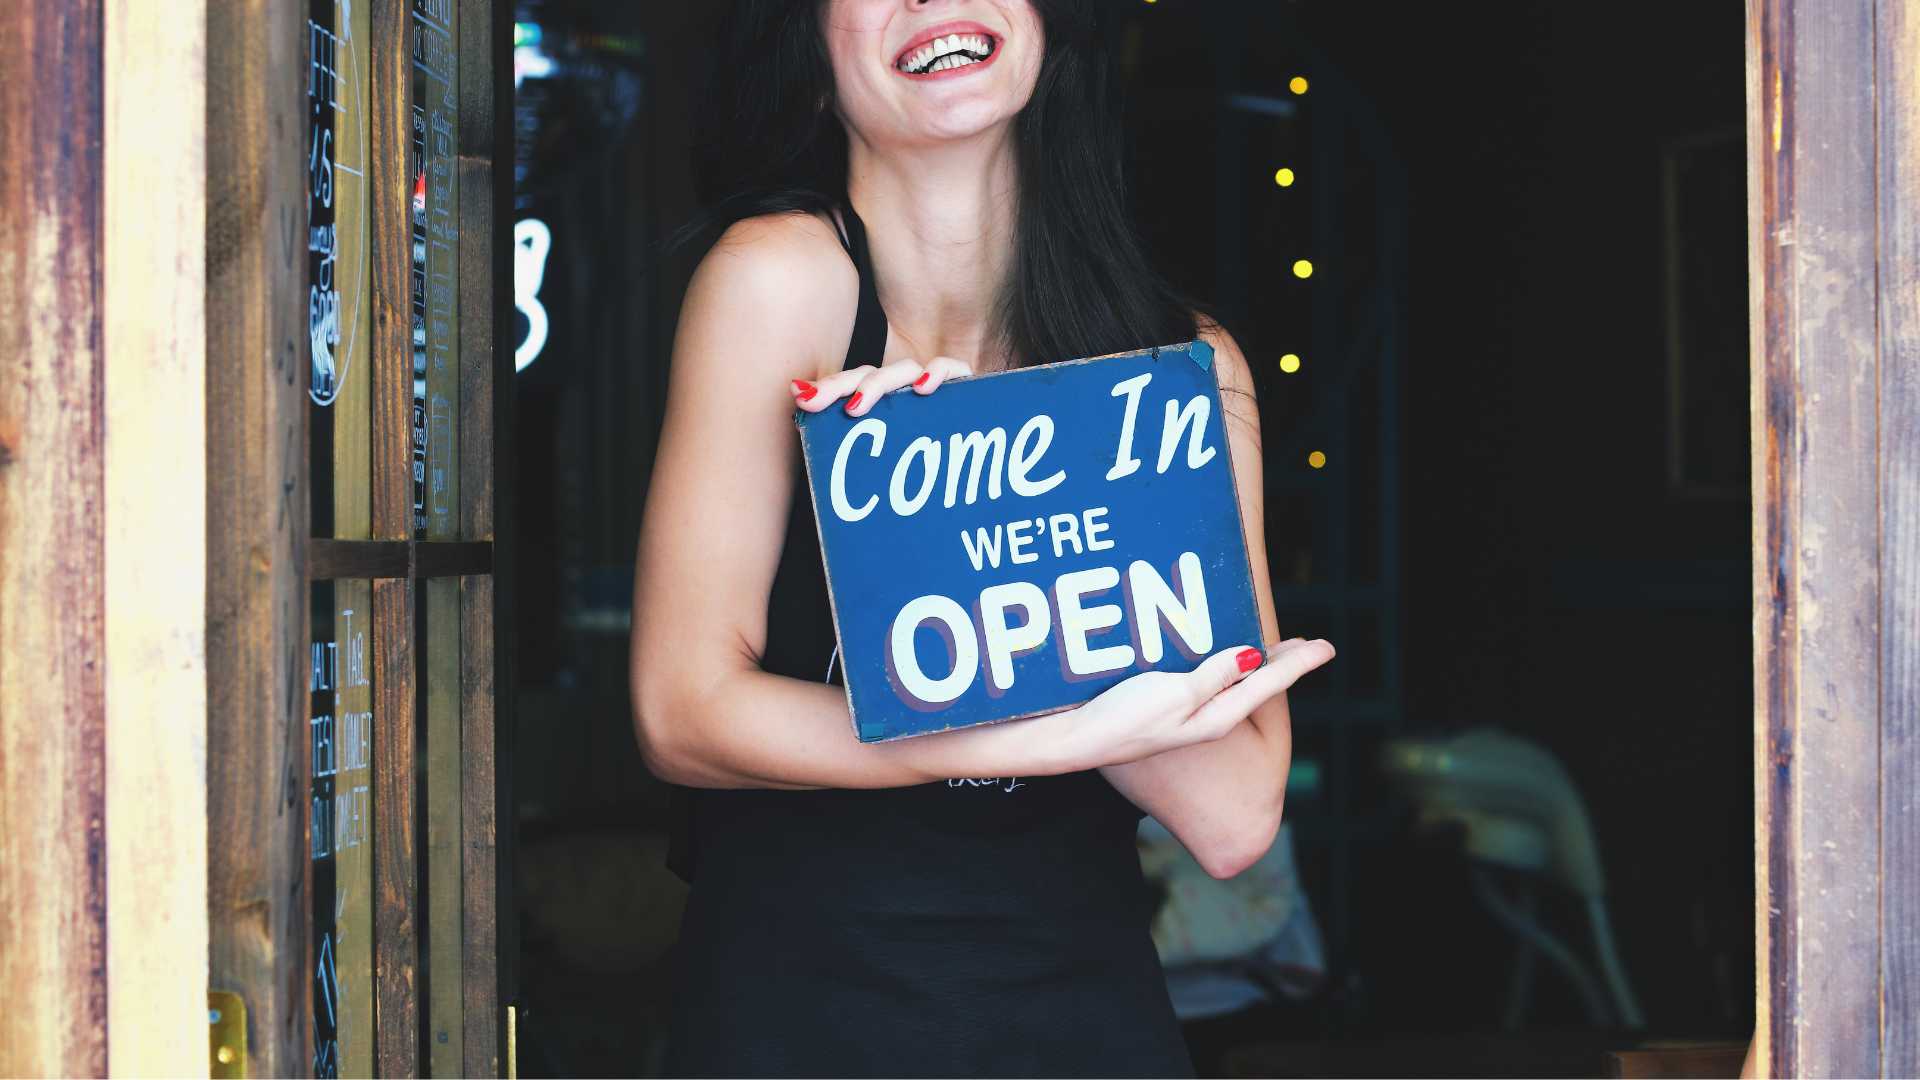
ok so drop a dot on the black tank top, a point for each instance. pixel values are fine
(972, 926)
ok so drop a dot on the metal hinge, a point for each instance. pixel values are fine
(226, 1035)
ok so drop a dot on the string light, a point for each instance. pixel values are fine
(1302, 269)
(1298, 84)
(1317, 459)
(1290, 363)
(1284, 177)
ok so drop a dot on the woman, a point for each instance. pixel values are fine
(919, 190)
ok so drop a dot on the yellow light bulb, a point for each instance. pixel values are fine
(1298, 84)
(1290, 363)
(1284, 177)
(1302, 269)
(1317, 459)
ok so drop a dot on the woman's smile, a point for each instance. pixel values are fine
(947, 50)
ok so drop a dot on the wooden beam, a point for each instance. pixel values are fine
(156, 537)
(1897, 94)
(258, 890)
(396, 1005)
(486, 368)
(389, 218)
(53, 857)
(1832, 119)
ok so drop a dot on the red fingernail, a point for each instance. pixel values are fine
(922, 380)
(854, 401)
(805, 389)
(1248, 659)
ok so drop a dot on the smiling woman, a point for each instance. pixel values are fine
(864, 909)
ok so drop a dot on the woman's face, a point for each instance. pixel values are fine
(915, 72)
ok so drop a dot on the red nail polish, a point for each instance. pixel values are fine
(922, 380)
(804, 389)
(1248, 659)
(854, 401)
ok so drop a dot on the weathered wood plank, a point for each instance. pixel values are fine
(53, 959)
(330, 559)
(1898, 95)
(258, 892)
(485, 274)
(1817, 551)
(154, 327)
(356, 715)
(389, 220)
(479, 830)
(396, 1019)
(445, 935)
(1766, 297)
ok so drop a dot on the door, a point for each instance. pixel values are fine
(355, 871)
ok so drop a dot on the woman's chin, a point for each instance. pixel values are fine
(958, 123)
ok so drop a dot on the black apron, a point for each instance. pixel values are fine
(967, 927)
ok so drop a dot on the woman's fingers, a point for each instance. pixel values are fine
(939, 370)
(821, 393)
(891, 376)
(1287, 662)
(862, 386)
(1216, 673)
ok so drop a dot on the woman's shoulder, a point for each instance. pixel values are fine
(784, 276)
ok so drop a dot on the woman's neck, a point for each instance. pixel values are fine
(940, 226)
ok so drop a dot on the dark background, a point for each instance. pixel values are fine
(1527, 225)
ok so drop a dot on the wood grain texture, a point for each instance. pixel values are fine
(485, 277)
(1832, 117)
(390, 240)
(395, 866)
(445, 935)
(479, 864)
(1766, 296)
(258, 886)
(154, 329)
(1898, 95)
(396, 1005)
(53, 959)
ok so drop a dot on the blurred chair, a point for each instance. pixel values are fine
(1227, 945)
(1515, 809)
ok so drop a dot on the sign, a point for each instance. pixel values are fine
(1016, 543)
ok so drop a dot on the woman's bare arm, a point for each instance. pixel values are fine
(773, 303)
(1223, 799)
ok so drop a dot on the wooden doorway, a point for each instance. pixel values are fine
(1833, 143)
(356, 603)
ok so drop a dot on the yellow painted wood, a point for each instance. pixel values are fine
(156, 540)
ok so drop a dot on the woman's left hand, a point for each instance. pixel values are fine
(863, 385)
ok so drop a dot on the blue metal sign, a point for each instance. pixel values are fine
(1015, 543)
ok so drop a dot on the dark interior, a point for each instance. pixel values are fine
(1522, 355)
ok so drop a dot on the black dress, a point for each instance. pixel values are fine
(968, 927)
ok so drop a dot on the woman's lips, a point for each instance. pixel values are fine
(949, 48)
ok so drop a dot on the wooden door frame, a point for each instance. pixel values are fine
(1833, 137)
(131, 355)
(103, 676)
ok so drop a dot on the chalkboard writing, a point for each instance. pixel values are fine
(1014, 544)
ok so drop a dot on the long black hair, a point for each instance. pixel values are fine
(1081, 283)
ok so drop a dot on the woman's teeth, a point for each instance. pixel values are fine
(954, 50)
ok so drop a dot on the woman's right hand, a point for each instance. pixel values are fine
(863, 385)
(1157, 711)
